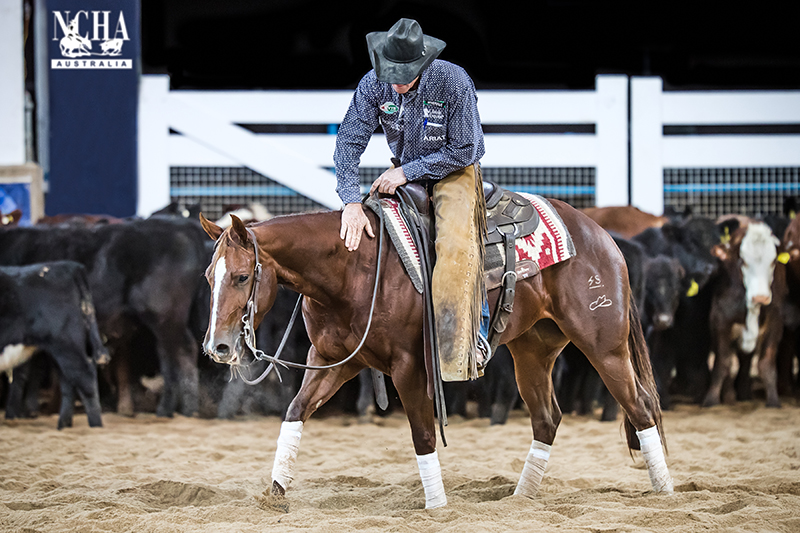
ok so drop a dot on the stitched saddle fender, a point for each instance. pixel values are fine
(507, 211)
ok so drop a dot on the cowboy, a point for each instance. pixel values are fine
(428, 110)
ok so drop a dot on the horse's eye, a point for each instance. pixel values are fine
(243, 278)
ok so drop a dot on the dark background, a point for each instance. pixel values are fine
(309, 44)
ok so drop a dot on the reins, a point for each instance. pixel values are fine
(252, 307)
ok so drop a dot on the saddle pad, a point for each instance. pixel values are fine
(551, 243)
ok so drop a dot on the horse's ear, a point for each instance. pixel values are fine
(238, 229)
(212, 229)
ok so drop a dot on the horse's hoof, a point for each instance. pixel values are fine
(277, 490)
(273, 499)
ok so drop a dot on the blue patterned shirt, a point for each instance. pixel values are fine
(433, 130)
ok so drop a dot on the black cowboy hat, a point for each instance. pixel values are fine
(400, 54)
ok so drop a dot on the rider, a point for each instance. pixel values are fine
(428, 110)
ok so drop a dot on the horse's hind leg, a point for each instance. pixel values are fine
(317, 388)
(535, 353)
(626, 371)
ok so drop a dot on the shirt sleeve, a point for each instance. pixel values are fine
(462, 147)
(354, 134)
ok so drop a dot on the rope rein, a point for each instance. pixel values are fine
(251, 308)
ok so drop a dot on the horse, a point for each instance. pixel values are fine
(305, 253)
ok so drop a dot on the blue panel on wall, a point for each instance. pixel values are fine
(94, 54)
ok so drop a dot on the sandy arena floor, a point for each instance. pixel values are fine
(735, 469)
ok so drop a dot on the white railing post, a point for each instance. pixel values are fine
(647, 168)
(12, 84)
(611, 179)
(153, 184)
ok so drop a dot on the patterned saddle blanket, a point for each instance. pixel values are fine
(550, 243)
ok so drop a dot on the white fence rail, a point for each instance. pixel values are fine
(207, 122)
(651, 151)
(210, 135)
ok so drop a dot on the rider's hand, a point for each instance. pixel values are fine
(354, 221)
(389, 181)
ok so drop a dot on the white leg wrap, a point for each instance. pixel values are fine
(533, 471)
(431, 474)
(286, 453)
(653, 454)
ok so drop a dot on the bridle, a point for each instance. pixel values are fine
(251, 308)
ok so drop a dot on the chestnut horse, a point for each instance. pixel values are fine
(305, 253)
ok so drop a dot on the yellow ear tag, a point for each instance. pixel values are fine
(694, 288)
(784, 257)
(725, 239)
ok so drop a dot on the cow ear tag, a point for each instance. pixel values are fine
(726, 238)
(784, 257)
(694, 288)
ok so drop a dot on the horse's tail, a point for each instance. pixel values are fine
(640, 358)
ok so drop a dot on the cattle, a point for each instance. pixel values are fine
(625, 221)
(72, 219)
(789, 349)
(746, 311)
(143, 274)
(47, 307)
(689, 242)
(684, 348)
(253, 212)
(496, 392)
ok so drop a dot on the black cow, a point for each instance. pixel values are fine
(142, 274)
(685, 346)
(48, 307)
(496, 392)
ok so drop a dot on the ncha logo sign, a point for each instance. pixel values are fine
(75, 45)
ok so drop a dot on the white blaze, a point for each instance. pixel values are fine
(220, 273)
(758, 252)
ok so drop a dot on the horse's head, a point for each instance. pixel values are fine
(231, 275)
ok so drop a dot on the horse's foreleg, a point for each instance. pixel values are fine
(411, 383)
(534, 369)
(317, 388)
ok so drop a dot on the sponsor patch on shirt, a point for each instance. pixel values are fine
(389, 108)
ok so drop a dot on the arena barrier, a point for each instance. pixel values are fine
(717, 151)
(276, 147)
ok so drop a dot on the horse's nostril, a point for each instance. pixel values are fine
(222, 349)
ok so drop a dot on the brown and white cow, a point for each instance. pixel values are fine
(746, 310)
